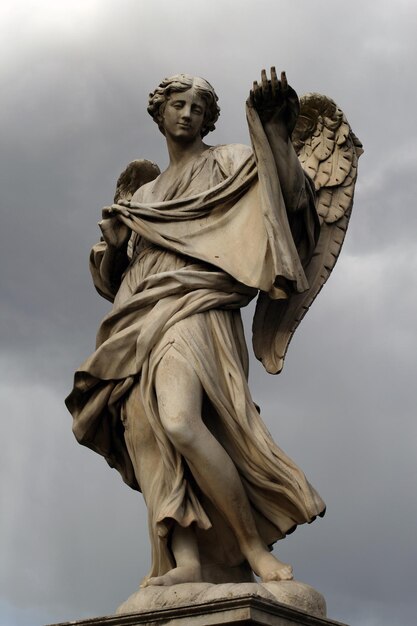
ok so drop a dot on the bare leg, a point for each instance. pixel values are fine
(180, 394)
(185, 549)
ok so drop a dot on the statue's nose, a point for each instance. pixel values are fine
(186, 112)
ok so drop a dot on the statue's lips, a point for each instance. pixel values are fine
(184, 125)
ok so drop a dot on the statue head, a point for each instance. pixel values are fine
(177, 84)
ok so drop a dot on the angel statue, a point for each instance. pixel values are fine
(164, 397)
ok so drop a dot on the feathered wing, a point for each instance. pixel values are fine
(328, 151)
(136, 174)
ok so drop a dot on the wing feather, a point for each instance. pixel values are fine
(328, 151)
(136, 174)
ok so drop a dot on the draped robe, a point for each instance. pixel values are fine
(202, 250)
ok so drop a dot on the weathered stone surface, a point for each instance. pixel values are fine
(293, 593)
(248, 610)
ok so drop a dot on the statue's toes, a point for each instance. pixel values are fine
(283, 573)
(155, 581)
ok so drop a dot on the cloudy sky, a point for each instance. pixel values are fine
(75, 76)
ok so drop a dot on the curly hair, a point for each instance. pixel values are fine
(177, 84)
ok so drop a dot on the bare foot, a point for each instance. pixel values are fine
(182, 574)
(268, 567)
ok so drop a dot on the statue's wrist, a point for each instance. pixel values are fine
(117, 249)
(276, 128)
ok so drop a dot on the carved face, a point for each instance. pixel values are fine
(183, 116)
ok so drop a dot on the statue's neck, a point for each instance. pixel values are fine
(182, 153)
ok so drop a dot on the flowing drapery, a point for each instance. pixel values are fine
(203, 250)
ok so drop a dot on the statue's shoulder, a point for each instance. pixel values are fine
(233, 150)
(232, 155)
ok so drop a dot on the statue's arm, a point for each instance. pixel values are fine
(111, 256)
(290, 172)
(278, 107)
(109, 259)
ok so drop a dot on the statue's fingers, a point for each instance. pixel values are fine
(274, 81)
(284, 83)
(118, 210)
(264, 83)
(255, 90)
(107, 212)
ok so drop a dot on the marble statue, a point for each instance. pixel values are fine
(164, 397)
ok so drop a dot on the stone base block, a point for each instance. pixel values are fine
(246, 610)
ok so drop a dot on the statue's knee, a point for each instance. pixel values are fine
(179, 430)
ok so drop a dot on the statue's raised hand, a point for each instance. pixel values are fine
(275, 101)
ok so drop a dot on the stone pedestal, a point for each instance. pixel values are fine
(249, 610)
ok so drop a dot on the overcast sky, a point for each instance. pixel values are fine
(75, 77)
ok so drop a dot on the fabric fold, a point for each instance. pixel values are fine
(198, 258)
